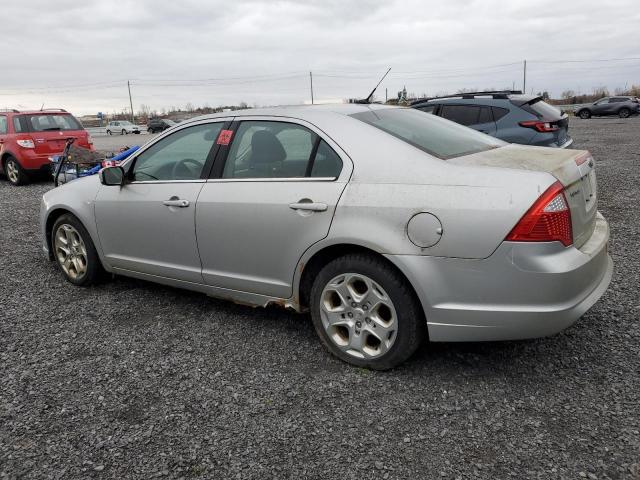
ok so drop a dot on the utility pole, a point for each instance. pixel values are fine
(386, 95)
(524, 78)
(130, 101)
(311, 81)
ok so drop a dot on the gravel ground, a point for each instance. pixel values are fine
(135, 380)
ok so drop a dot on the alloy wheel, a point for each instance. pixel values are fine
(12, 171)
(358, 316)
(70, 251)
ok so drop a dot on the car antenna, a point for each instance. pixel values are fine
(368, 99)
(42, 107)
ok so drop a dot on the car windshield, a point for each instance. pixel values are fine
(434, 135)
(170, 122)
(51, 122)
(125, 123)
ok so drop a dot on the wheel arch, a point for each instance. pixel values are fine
(311, 266)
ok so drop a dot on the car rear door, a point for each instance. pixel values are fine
(478, 117)
(148, 225)
(272, 195)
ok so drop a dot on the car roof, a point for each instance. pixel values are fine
(302, 112)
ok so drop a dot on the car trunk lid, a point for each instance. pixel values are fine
(573, 168)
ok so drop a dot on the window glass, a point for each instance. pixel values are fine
(429, 133)
(3, 124)
(180, 156)
(485, 115)
(49, 122)
(543, 110)
(326, 163)
(462, 114)
(428, 108)
(498, 113)
(269, 150)
(17, 124)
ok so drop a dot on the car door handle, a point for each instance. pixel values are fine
(309, 206)
(176, 202)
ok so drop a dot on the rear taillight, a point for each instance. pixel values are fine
(548, 220)
(539, 126)
(26, 142)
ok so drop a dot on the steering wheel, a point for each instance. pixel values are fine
(183, 164)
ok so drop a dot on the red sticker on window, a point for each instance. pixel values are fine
(225, 137)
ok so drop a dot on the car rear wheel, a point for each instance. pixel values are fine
(624, 113)
(366, 313)
(109, 132)
(15, 173)
(74, 251)
(584, 114)
(123, 132)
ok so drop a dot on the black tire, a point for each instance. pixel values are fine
(94, 271)
(584, 114)
(109, 132)
(624, 113)
(14, 172)
(411, 324)
(124, 132)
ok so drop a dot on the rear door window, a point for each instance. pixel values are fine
(265, 149)
(485, 115)
(3, 124)
(462, 114)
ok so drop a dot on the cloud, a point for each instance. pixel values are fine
(80, 54)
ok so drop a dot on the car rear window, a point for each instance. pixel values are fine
(52, 122)
(434, 135)
(543, 110)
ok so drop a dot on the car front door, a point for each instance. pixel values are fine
(272, 195)
(148, 224)
(601, 107)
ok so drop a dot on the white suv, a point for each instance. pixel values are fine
(123, 127)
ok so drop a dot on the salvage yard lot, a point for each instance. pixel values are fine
(133, 380)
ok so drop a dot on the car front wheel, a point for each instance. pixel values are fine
(624, 113)
(123, 132)
(15, 173)
(109, 132)
(74, 251)
(585, 114)
(366, 313)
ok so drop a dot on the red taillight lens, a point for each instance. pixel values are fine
(548, 220)
(539, 126)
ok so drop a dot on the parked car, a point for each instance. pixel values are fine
(123, 127)
(623, 107)
(389, 225)
(509, 116)
(159, 124)
(29, 138)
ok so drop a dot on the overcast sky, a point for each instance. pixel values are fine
(79, 55)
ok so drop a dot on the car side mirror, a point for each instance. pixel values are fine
(112, 176)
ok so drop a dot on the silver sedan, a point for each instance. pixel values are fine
(390, 226)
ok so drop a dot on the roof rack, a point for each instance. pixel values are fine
(498, 94)
(13, 110)
(53, 110)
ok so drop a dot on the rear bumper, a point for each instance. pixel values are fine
(523, 290)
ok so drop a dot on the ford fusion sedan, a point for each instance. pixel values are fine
(390, 226)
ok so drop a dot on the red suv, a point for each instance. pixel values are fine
(28, 139)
